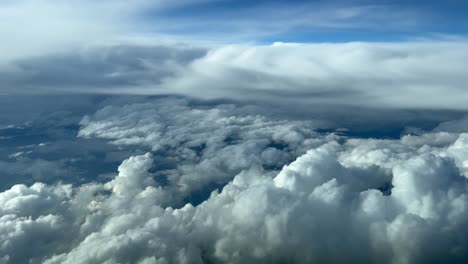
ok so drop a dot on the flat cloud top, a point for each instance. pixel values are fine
(413, 75)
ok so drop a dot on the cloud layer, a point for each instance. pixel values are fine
(191, 150)
(403, 75)
(336, 199)
(201, 146)
(413, 75)
(53, 25)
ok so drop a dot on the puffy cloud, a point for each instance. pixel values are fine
(259, 216)
(221, 180)
(200, 146)
(335, 199)
(33, 222)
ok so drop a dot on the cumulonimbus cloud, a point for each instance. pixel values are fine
(205, 176)
(391, 75)
(412, 75)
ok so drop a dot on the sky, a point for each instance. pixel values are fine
(222, 131)
(312, 21)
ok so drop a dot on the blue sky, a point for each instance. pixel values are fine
(57, 25)
(310, 21)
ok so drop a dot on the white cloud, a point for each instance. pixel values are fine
(206, 145)
(57, 25)
(326, 205)
(322, 216)
(380, 75)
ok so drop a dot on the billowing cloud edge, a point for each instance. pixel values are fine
(340, 199)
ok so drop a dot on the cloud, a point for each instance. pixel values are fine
(279, 20)
(204, 145)
(106, 48)
(63, 26)
(287, 194)
(399, 75)
(280, 191)
(243, 153)
(388, 76)
(54, 25)
(24, 169)
(97, 69)
(456, 126)
(39, 143)
(325, 206)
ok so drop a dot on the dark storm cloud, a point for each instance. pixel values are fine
(381, 76)
(96, 70)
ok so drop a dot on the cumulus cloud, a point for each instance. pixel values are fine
(244, 153)
(199, 146)
(336, 199)
(313, 210)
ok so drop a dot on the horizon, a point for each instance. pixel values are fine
(223, 131)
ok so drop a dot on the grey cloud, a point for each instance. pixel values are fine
(27, 170)
(97, 69)
(378, 82)
(413, 75)
(456, 126)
